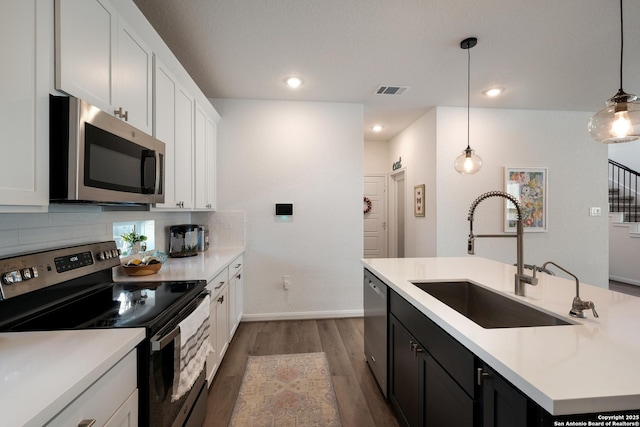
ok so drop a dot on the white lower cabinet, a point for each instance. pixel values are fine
(127, 414)
(218, 321)
(225, 312)
(222, 322)
(110, 401)
(236, 295)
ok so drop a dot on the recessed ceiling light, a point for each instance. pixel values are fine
(494, 91)
(377, 128)
(293, 82)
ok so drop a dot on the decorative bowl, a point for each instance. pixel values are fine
(141, 270)
(144, 263)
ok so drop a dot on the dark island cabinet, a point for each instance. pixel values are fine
(421, 391)
(405, 386)
(432, 375)
(502, 404)
(437, 382)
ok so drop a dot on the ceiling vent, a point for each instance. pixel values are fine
(391, 90)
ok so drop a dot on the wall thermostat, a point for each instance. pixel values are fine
(284, 208)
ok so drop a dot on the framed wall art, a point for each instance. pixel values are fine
(418, 194)
(529, 186)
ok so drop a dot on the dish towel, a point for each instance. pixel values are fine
(191, 353)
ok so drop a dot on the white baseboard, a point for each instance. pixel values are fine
(625, 280)
(302, 315)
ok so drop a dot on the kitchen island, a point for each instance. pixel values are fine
(588, 366)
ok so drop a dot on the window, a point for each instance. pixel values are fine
(146, 228)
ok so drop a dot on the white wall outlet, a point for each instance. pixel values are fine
(595, 211)
(286, 282)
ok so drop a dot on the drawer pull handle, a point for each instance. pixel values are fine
(123, 115)
(237, 266)
(481, 376)
(86, 423)
(220, 285)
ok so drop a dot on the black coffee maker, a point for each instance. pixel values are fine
(183, 240)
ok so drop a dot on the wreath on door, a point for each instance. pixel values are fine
(367, 205)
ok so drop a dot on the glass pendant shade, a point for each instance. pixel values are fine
(618, 122)
(468, 162)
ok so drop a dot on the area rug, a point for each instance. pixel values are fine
(288, 390)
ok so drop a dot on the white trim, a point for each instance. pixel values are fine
(302, 315)
(625, 280)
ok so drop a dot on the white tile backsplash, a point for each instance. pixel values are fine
(70, 225)
(226, 228)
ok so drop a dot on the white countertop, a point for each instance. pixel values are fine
(204, 266)
(592, 366)
(42, 372)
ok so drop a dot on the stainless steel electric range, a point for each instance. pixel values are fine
(73, 288)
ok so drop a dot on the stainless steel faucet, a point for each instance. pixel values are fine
(577, 306)
(520, 277)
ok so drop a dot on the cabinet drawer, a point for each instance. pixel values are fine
(101, 400)
(218, 282)
(235, 266)
(449, 353)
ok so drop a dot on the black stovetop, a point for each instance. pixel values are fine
(114, 305)
(72, 288)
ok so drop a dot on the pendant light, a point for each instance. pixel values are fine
(468, 162)
(619, 121)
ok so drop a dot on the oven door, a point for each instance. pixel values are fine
(190, 409)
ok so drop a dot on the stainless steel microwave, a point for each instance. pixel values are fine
(98, 158)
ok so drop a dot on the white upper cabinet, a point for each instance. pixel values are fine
(184, 167)
(173, 125)
(133, 78)
(26, 28)
(212, 182)
(205, 161)
(100, 59)
(164, 128)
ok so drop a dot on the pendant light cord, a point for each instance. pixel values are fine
(621, 43)
(469, 92)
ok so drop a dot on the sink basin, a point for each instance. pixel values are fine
(486, 308)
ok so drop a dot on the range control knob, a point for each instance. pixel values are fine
(26, 273)
(12, 277)
(100, 256)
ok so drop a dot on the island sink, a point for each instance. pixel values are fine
(486, 308)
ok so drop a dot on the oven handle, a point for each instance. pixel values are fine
(160, 340)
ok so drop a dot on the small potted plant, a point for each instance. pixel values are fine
(133, 242)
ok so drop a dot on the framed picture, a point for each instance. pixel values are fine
(529, 186)
(418, 194)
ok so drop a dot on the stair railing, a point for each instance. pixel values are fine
(623, 191)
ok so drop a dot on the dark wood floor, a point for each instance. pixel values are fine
(360, 401)
(625, 288)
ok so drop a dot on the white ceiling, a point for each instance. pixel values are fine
(547, 54)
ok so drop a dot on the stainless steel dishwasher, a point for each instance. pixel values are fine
(375, 327)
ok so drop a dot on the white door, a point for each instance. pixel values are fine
(375, 221)
(397, 200)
